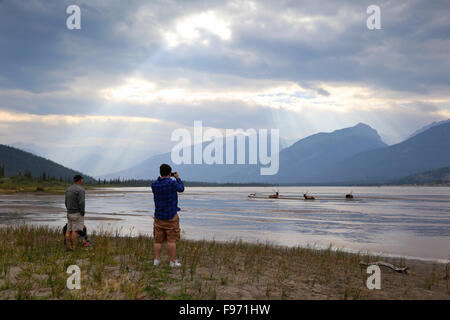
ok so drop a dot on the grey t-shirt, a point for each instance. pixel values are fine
(75, 199)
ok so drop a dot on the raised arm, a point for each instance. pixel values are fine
(179, 185)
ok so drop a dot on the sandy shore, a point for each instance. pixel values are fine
(33, 265)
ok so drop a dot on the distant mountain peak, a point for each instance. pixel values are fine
(360, 129)
(428, 126)
(362, 124)
(427, 150)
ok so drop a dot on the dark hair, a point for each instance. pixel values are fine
(165, 170)
(77, 177)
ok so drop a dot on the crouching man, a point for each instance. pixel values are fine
(75, 203)
(166, 226)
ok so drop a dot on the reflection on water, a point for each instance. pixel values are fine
(407, 221)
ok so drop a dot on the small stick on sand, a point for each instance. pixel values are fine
(385, 264)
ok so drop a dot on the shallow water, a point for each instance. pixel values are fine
(401, 221)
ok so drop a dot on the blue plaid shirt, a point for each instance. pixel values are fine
(166, 197)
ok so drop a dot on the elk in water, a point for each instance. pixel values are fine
(308, 197)
(274, 196)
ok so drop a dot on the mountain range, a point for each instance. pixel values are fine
(350, 155)
(425, 151)
(437, 176)
(16, 161)
(353, 155)
(428, 126)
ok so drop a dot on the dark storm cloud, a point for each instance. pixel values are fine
(409, 53)
(39, 53)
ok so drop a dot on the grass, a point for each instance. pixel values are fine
(23, 183)
(33, 265)
(29, 184)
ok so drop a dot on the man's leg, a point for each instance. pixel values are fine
(173, 235)
(157, 248)
(74, 239)
(68, 240)
(70, 233)
(172, 248)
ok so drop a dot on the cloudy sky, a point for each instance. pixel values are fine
(109, 95)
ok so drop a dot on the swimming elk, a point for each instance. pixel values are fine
(308, 197)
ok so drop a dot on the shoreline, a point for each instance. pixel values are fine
(371, 253)
(17, 213)
(57, 189)
(33, 264)
(331, 247)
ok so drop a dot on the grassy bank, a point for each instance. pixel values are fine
(22, 183)
(29, 184)
(33, 264)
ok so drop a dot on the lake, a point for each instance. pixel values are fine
(413, 222)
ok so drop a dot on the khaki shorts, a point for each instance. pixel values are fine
(75, 222)
(167, 230)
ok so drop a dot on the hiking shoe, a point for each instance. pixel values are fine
(175, 264)
(156, 263)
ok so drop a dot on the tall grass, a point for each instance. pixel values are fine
(33, 264)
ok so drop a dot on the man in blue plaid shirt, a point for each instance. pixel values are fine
(166, 226)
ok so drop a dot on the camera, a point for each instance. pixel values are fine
(173, 174)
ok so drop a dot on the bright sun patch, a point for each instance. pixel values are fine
(189, 29)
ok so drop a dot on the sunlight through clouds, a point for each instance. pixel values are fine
(189, 29)
(11, 117)
(286, 95)
(138, 69)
